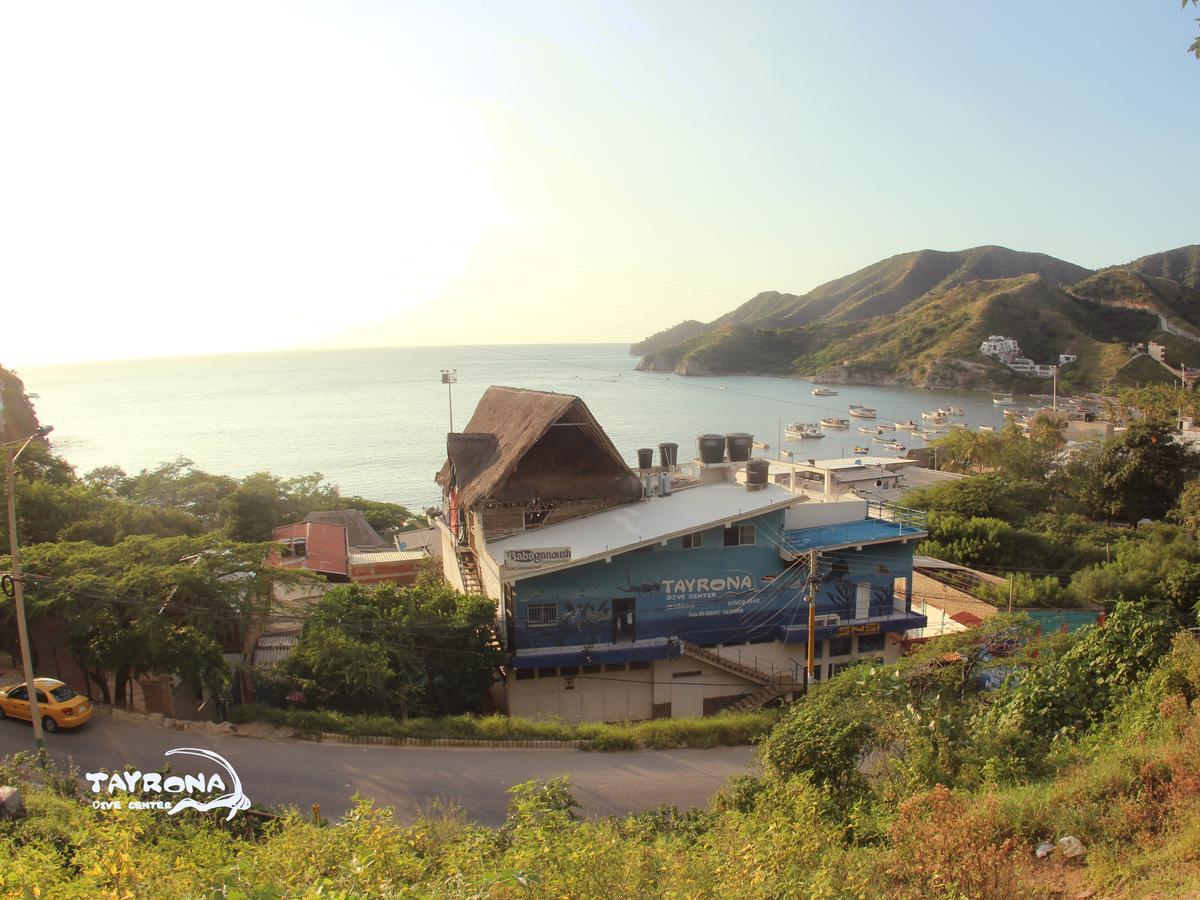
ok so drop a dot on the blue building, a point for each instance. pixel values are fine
(684, 596)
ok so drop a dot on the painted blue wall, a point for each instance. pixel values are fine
(708, 595)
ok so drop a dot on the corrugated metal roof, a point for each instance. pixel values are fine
(635, 524)
(386, 556)
(273, 648)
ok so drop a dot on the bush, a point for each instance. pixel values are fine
(724, 729)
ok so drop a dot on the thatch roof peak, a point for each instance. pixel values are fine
(506, 424)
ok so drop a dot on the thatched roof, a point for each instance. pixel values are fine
(359, 532)
(505, 426)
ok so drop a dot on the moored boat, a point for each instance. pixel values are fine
(832, 422)
(861, 412)
(862, 450)
(803, 430)
(1003, 401)
(823, 392)
(907, 425)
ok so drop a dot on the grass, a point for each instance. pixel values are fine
(721, 730)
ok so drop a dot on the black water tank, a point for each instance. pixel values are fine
(645, 458)
(712, 448)
(756, 471)
(668, 455)
(740, 445)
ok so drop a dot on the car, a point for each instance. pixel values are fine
(59, 705)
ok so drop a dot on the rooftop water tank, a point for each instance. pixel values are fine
(740, 446)
(645, 458)
(756, 474)
(712, 448)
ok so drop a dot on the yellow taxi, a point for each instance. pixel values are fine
(58, 704)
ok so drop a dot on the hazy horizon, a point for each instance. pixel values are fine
(233, 178)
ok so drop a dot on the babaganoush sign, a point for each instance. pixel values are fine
(536, 557)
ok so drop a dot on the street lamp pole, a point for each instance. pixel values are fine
(18, 587)
(449, 379)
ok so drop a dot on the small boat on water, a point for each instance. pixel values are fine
(802, 430)
(835, 423)
(987, 427)
(867, 429)
(861, 412)
(823, 392)
(1003, 401)
(907, 425)
(895, 445)
(862, 450)
(951, 411)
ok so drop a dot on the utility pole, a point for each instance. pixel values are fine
(449, 379)
(812, 614)
(1011, 590)
(1054, 400)
(18, 587)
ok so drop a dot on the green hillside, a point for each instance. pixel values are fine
(891, 284)
(919, 318)
(933, 342)
(668, 336)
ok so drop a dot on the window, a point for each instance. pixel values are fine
(693, 541)
(593, 669)
(839, 646)
(739, 535)
(839, 668)
(62, 693)
(569, 670)
(18, 693)
(523, 674)
(634, 666)
(547, 672)
(870, 643)
(614, 667)
(542, 614)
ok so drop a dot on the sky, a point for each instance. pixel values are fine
(181, 179)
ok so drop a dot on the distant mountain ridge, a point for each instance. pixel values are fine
(941, 305)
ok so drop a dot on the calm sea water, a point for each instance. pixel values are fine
(374, 421)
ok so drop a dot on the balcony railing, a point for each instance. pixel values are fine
(917, 519)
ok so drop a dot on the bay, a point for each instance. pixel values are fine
(374, 421)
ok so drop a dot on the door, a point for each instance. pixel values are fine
(17, 704)
(623, 620)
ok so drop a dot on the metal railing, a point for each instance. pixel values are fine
(885, 511)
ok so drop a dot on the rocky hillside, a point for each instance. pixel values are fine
(919, 318)
(17, 416)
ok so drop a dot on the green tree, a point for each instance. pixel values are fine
(434, 643)
(1138, 475)
(149, 605)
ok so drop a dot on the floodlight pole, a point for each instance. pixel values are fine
(449, 379)
(18, 587)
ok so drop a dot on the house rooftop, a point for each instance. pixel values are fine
(643, 523)
(359, 532)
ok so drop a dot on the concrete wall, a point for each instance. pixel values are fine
(677, 688)
(813, 515)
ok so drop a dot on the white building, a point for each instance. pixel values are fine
(1000, 346)
(1065, 358)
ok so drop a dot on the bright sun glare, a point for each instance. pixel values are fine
(185, 181)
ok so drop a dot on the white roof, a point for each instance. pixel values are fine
(638, 524)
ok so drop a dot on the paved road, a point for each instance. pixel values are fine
(406, 778)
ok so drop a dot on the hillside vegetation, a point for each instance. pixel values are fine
(919, 318)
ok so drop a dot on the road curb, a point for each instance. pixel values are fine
(334, 738)
(329, 737)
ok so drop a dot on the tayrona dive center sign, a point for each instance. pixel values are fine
(536, 557)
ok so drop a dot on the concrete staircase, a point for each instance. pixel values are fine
(771, 684)
(469, 570)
